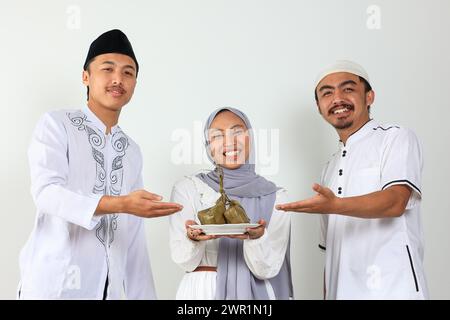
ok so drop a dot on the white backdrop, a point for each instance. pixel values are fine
(260, 56)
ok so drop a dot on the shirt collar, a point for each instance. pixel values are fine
(359, 134)
(97, 122)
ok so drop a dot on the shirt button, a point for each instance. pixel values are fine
(344, 153)
(339, 190)
(340, 172)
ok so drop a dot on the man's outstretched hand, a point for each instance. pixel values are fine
(140, 203)
(325, 201)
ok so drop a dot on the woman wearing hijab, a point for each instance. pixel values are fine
(254, 265)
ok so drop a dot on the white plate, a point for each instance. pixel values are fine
(224, 229)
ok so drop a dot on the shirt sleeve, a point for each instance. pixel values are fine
(49, 170)
(185, 252)
(139, 282)
(265, 256)
(402, 164)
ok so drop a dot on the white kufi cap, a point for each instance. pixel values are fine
(343, 66)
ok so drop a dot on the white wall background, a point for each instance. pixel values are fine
(260, 56)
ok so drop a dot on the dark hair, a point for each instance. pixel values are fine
(367, 88)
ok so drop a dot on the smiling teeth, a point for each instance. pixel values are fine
(231, 153)
(340, 111)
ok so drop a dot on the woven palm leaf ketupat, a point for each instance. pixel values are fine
(225, 210)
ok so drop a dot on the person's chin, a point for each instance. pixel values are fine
(115, 105)
(232, 166)
(342, 123)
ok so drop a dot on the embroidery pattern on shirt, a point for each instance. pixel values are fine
(386, 129)
(97, 141)
(119, 143)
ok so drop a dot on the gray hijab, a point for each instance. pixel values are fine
(257, 196)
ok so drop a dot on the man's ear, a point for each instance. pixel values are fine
(370, 97)
(85, 77)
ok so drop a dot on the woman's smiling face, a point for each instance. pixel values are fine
(229, 140)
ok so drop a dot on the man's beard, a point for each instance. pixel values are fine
(342, 126)
(346, 123)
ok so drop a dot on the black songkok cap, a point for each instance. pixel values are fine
(113, 41)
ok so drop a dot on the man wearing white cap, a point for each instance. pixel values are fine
(369, 196)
